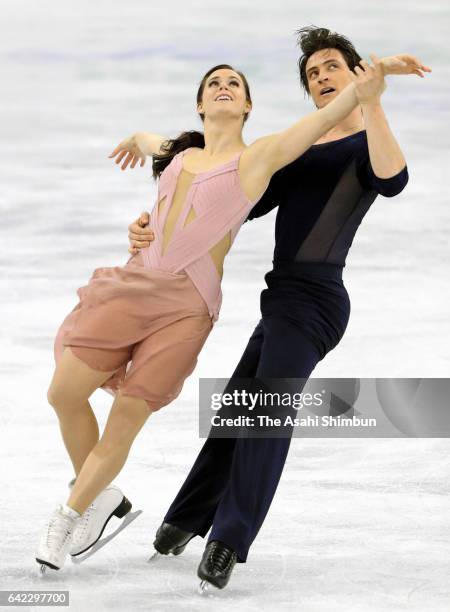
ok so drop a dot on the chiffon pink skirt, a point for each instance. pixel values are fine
(148, 325)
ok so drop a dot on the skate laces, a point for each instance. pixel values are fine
(84, 521)
(220, 557)
(60, 528)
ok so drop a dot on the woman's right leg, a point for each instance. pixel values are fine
(72, 384)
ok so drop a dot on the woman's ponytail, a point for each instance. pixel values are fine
(171, 147)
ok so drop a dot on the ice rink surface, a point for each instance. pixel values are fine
(356, 525)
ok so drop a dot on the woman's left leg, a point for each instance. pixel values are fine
(128, 415)
(160, 364)
(103, 463)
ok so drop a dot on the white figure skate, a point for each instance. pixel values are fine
(56, 539)
(110, 502)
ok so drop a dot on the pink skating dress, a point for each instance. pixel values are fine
(146, 321)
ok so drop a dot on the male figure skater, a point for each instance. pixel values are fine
(322, 198)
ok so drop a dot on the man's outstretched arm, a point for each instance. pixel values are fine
(386, 157)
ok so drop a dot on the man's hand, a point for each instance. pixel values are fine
(369, 81)
(139, 235)
(404, 64)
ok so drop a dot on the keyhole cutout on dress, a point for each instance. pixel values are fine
(176, 207)
(161, 204)
(219, 250)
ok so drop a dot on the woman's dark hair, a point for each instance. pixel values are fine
(312, 39)
(192, 138)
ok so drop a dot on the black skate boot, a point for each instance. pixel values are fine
(216, 565)
(171, 540)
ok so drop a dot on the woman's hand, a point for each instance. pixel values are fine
(130, 148)
(404, 64)
(369, 80)
(140, 236)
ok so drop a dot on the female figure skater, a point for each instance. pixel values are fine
(138, 329)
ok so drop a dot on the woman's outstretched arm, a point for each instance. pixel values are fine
(268, 154)
(136, 147)
(284, 147)
(277, 150)
(149, 144)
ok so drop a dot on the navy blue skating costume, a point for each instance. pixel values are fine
(322, 198)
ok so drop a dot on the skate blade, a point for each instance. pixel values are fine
(203, 587)
(44, 566)
(43, 569)
(129, 518)
(154, 557)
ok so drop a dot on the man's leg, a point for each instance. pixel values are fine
(258, 462)
(194, 506)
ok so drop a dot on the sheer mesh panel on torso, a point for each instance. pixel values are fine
(333, 232)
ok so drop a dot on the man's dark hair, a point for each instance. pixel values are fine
(312, 39)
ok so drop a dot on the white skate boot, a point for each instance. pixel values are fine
(110, 502)
(55, 541)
